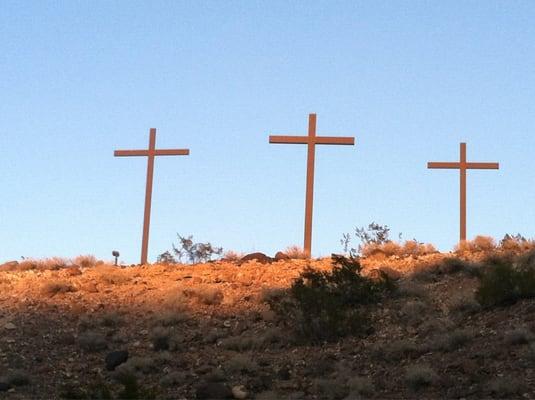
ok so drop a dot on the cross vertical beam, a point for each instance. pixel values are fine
(151, 153)
(311, 140)
(463, 166)
(309, 199)
(148, 196)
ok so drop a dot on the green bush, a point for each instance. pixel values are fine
(324, 306)
(505, 281)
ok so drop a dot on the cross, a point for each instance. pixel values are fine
(463, 165)
(150, 154)
(311, 141)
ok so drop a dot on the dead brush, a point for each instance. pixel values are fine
(295, 252)
(92, 342)
(85, 261)
(241, 363)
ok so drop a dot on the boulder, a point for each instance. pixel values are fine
(116, 358)
(213, 390)
(9, 266)
(259, 257)
(281, 256)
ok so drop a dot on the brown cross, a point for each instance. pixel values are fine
(311, 140)
(463, 165)
(150, 154)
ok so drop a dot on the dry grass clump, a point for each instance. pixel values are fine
(478, 244)
(398, 350)
(463, 303)
(232, 256)
(451, 341)
(390, 248)
(171, 318)
(92, 342)
(268, 295)
(518, 336)
(112, 275)
(111, 319)
(135, 364)
(85, 261)
(330, 389)
(505, 387)
(408, 288)
(205, 295)
(295, 252)
(241, 363)
(55, 287)
(164, 339)
(361, 386)
(419, 376)
(415, 311)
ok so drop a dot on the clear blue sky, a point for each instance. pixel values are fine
(409, 79)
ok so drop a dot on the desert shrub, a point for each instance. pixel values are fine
(193, 252)
(111, 319)
(329, 389)
(92, 342)
(164, 339)
(270, 295)
(171, 318)
(516, 243)
(373, 234)
(464, 303)
(361, 386)
(415, 311)
(85, 261)
(53, 288)
(505, 282)
(326, 305)
(295, 252)
(411, 289)
(518, 336)
(505, 387)
(232, 256)
(418, 376)
(241, 363)
(398, 350)
(18, 378)
(451, 341)
(478, 244)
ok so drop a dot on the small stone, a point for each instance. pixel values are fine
(213, 390)
(226, 324)
(10, 326)
(116, 358)
(239, 392)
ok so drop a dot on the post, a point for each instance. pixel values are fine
(148, 196)
(462, 168)
(309, 202)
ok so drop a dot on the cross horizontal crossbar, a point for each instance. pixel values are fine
(163, 152)
(468, 165)
(315, 139)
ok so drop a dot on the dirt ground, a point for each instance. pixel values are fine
(201, 331)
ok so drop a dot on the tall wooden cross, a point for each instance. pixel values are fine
(150, 154)
(311, 141)
(462, 166)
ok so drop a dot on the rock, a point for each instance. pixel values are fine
(116, 358)
(239, 392)
(73, 271)
(281, 256)
(213, 390)
(259, 257)
(9, 266)
(10, 326)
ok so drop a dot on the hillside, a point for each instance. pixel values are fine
(205, 330)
